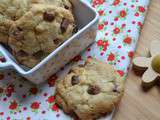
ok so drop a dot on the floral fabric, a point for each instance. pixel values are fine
(118, 30)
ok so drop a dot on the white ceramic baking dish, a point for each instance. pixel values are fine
(87, 20)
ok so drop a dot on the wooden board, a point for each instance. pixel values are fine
(137, 104)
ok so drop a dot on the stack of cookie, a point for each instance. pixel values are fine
(90, 91)
(31, 29)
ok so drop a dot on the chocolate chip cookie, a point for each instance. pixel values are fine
(42, 29)
(31, 28)
(90, 91)
(12, 10)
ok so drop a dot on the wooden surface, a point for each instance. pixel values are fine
(137, 104)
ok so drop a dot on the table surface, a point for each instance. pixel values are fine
(137, 104)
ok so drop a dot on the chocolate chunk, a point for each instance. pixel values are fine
(64, 25)
(75, 30)
(115, 89)
(22, 53)
(74, 115)
(39, 54)
(66, 7)
(75, 80)
(2, 59)
(48, 17)
(93, 90)
(14, 18)
(56, 41)
(18, 34)
(70, 71)
(20, 29)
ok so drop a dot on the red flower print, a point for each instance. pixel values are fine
(116, 30)
(140, 24)
(112, 23)
(1, 113)
(51, 80)
(89, 49)
(127, 40)
(8, 118)
(1, 76)
(33, 90)
(51, 99)
(106, 23)
(111, 57)
(97, 2)
(89, 57)
(116, 19)
(110, 11)
(102, 53)
(123, 25)
(9, 90)
(119, 46)
(28, 118)
(35, 105)
(131, 54)
(77, 58)
(123, 13)
(105, 44)
(104, 48)
(129, 31)
(132, 6)
(54, 108)
(141, 9)
(45, 94)
(100, 26)
(121, 73)
(137, 14)
(125, 4)
(24, 108)
(100, 12)
(123, 57)
(13, 105)
(2, 59)
(116, 2)
(99, 42)
(133, 22)
(24, 96)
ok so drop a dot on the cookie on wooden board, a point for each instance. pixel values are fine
(90, 91)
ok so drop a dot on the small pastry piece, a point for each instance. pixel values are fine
(150, 65)
(90, 91)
